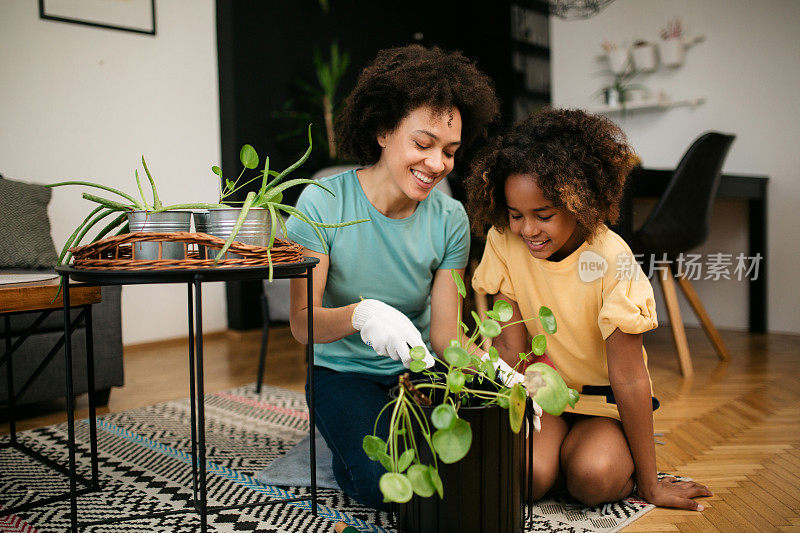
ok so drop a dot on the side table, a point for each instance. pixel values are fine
(194, 279)
(40, 297)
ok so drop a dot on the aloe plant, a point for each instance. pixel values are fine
(451, 437)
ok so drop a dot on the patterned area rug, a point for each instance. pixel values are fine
(145, 466)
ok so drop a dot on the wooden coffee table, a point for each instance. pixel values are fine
(40, 297)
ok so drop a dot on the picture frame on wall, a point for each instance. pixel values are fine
(137, 16)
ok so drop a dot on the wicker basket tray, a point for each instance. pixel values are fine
(117, 253)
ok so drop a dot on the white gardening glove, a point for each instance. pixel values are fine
(388, 331)
(510, 377)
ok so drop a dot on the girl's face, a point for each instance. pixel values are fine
(550, 232)
(420, 151)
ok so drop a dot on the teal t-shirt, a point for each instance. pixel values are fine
(391, 260)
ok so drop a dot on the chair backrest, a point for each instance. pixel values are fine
(681, 219)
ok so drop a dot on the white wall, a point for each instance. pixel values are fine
(748, 68)
(78, 102)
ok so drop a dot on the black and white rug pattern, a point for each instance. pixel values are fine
(145, 467)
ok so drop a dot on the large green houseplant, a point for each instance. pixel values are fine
(466, 381)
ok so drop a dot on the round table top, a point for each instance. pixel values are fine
(188, 275)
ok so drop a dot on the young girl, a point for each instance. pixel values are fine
(547, 188)
(384, 285)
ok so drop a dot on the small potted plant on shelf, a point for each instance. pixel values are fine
(431, 448)
(618, 57)
(644, 56)
(671, 48)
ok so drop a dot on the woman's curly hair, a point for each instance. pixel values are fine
(402, 79)
(579, 160)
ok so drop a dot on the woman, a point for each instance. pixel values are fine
(383, 286)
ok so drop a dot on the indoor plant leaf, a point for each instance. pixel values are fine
(417, 353)
(373, 446)
(395, 487)
(547, 319)
(539, 344)
(453, 444)
(248, 156)
(436, 480)
(459, 283)
(554, 396)
(420, 478)
(516, 407)
(504, 310)
(405, 459)
(456, 356)
(456, 380)
(417, 366)
(444, 416)
(489, 328)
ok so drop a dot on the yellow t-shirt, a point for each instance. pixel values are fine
(598, 288)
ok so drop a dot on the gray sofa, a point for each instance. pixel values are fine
(26, 246)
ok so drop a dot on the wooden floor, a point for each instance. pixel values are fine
(735, 426)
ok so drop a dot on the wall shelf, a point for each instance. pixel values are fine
(648, 105)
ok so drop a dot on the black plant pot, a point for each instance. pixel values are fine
(483, 492)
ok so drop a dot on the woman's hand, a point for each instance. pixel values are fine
(388, 331)
(669, 492)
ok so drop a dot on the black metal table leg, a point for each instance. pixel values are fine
(311, 412)
(192, 402)
(12, 424)
(73, 496)
(201, 422)
(92, 397)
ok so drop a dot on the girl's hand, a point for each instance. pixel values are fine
(669, 492)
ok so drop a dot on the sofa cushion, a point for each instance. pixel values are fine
(25, 240)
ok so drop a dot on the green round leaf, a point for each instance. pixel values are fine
(489, 328)
(456, 356)
(216, 170)
(539, 344)
(276, 198)
(417, 366)
(456, 380)
(444, 416)
(494, 355)
(504, 310)
(420, 478)
(417, 353)
(386, 461)
(248, 156)
(436, 480)
(516, 407)
(487, 367)
(573, 397)
(547, 319)
(502, 401)
(459, 283)
(373, 446)
(405, 459)
(453, 444)
(555, 395)
(395, 487)
(454, 343)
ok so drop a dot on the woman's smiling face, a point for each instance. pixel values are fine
(550, 232)
(420, 151)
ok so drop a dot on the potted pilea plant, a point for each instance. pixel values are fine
(266, 202)
(431, 448)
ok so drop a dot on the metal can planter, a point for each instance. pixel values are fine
(255, 229)
(201, 225)
(163, 222)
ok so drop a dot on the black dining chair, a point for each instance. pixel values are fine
(679, 222)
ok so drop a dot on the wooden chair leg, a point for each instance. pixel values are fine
(700, 310)
(676, 322)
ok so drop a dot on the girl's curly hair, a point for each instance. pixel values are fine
(402, 79)
(579, 160)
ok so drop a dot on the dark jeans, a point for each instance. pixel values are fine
(346, 405)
